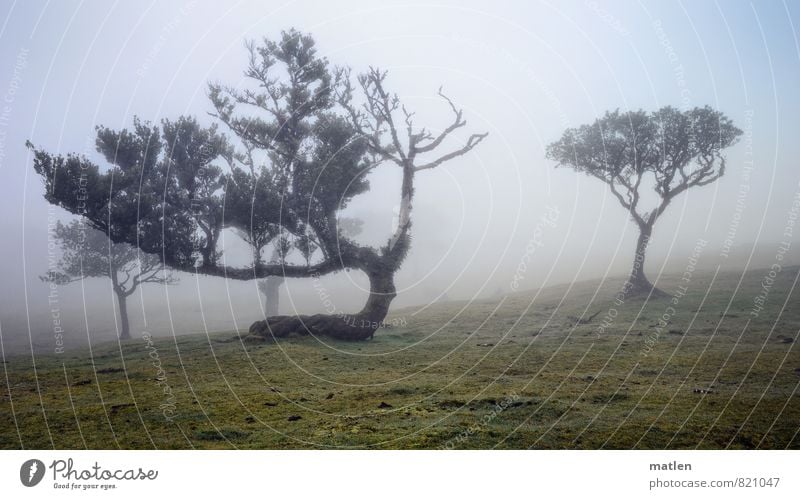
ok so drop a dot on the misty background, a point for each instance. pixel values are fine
(523, 71)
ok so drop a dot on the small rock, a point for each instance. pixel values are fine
(270, 404)
(485, 344)
(250, 419)
(116, 408)
(787, 340)
(384, 405)
(329, 396)
(110, 370)
(294, 418)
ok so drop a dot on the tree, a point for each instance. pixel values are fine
(88, 253)
(307, 139)
(322, 144)
(668, 149)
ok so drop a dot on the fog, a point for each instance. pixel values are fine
(522, 71)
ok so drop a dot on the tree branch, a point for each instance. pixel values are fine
(458, 122)
(473, 141)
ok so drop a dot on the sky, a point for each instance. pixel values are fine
(522, 71)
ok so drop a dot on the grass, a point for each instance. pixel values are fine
(520, 372)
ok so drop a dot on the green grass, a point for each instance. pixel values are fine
(515, 373)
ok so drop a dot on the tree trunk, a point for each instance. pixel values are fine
(272, 295)
(350, 327)
(638, 284)
(125, 331)
(380, 268)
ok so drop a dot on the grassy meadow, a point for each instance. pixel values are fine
(561, 368)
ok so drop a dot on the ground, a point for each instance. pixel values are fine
(517, 372)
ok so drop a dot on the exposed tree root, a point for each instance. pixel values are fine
(342, 327)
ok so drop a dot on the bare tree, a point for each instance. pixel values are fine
(88, 253)
(669, 150)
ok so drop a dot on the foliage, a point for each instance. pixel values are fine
(676, 149)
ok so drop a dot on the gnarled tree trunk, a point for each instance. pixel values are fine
(350, 327)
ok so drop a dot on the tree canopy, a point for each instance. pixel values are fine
(678, 149)
(303, 138)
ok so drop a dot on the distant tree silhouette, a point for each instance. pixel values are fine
(89, 253)
(271, 286)
(668, 149)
